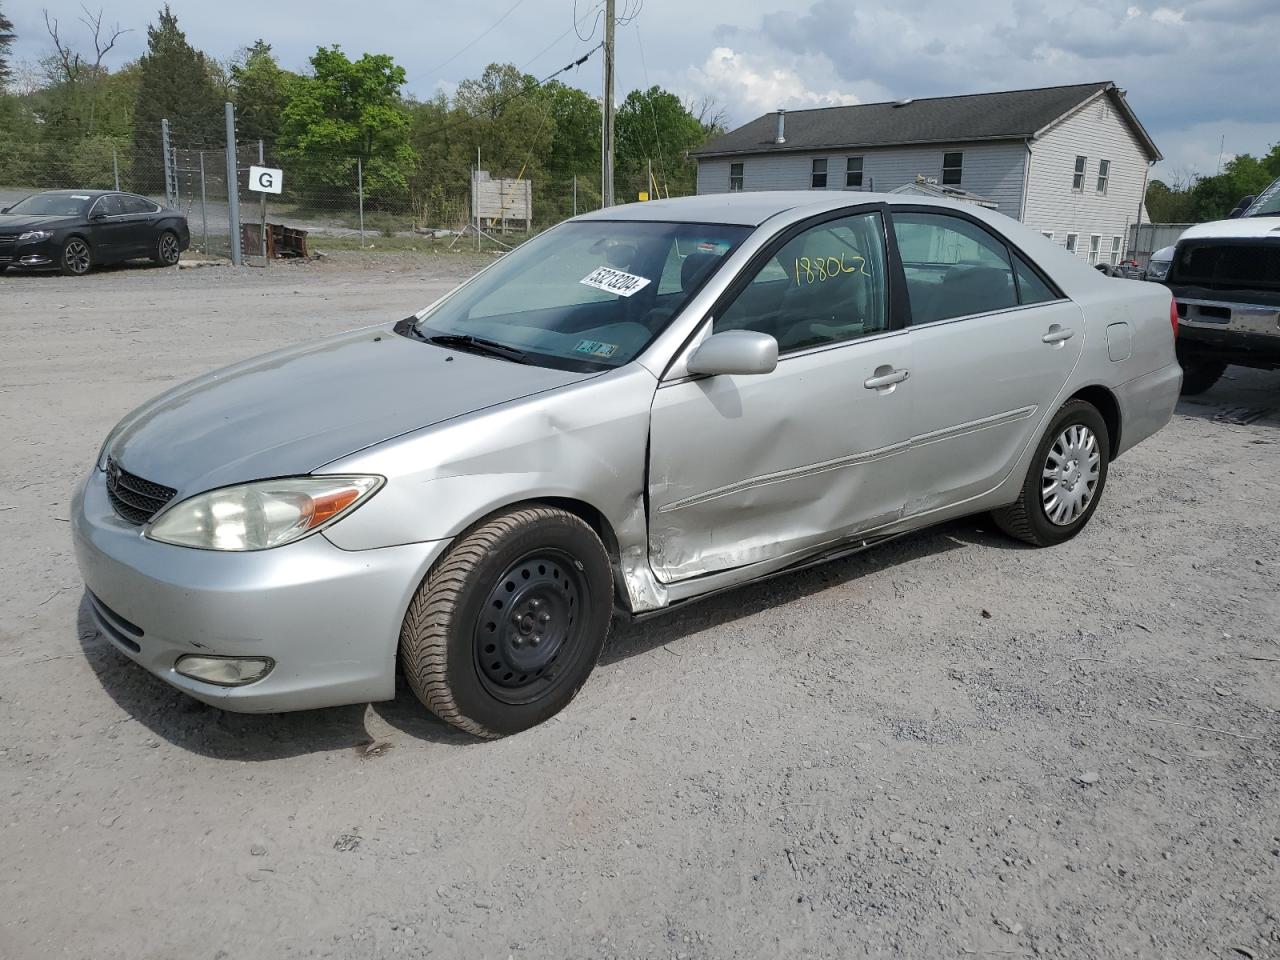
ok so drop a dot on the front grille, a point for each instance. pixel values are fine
(1227, 265)
(135, 499)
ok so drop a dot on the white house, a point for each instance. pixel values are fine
(1069, 161)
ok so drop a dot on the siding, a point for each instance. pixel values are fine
(991, 170)
(1052, 205)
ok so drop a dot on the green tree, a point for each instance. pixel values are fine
(261, 91)
(348, 110)
(176, 82)
(654, 126)
(7, 36)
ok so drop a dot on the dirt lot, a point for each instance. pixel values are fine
(953, 746)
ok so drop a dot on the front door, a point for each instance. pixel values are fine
(751, 468)
(992, 346)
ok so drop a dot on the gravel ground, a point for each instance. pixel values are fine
(951, 746)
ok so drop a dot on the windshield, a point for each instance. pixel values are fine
(1267, 204)
(52, 205)
(587, 294)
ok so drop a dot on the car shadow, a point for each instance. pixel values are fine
(208, 731)
(98, 270)
(1242, 396)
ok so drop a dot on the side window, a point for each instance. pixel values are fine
(953, 267)
(736, 177)
(952, 168)
(1030, 286)
(825, 285)
(853, 172)
(137, 205)
(818, 175)
(110, 205)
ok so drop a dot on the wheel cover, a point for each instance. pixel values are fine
(530, 626)
(1070, 475)
(76, 256)
(169, 248)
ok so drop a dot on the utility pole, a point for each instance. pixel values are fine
(233, 185)
(168, 170)
(606, 110)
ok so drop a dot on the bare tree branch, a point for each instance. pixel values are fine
(68, 60)
(94, 23)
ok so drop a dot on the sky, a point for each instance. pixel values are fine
(1199, 73)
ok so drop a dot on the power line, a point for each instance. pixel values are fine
(576, 22)
(493, 26)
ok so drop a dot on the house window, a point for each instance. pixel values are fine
(735, 176)
(952, 164)
(1071, 242)
(1104, 172)
(818, 175)
(1047, 234)
(1077, 181)
(1116, 245)
(1095, 245)
(853, 172)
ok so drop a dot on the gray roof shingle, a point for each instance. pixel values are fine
(1007, 115)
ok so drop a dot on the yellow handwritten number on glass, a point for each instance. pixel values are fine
(817, 269)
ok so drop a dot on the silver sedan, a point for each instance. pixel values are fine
(638, 408)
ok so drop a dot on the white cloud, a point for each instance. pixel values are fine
(1165, 15)
(755, 85)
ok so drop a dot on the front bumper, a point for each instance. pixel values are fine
(1230, 331)
(31, 254)
(329, 618)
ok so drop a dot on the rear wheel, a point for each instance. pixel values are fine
(77, 258)
(1065, 480)
(1199, 375)
(510, 622)
(168, 249)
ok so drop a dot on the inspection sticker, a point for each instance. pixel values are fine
(615, 281)
(596, 347)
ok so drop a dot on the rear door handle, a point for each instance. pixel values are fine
(1057, 334)
(882, 380)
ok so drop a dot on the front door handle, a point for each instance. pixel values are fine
(885, 377)
(1057, 334)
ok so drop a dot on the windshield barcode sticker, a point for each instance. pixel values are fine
(615, 281)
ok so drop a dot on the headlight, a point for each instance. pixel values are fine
(258, 516)
(36, 235)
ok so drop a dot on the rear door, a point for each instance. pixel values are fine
(993, 343)
(139, 218)
(751, 468)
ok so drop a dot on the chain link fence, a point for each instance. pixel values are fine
(340, 200)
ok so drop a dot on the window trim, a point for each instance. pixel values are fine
(1010, 249)
(849, 173)
(814, 174)
(1104, 176)
(1072, 244)
(1117, 249)
(740, 176)
(958, 167)
(1079, 172)
(1095, 249)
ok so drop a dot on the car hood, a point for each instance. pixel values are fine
(13, 222)
(1242, 228)
(292, 411)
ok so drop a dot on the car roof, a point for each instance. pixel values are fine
(91, 194)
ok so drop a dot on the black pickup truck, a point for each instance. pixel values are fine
(1225, 277)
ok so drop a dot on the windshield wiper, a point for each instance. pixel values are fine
(464, 341)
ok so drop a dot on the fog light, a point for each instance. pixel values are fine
(224, 671)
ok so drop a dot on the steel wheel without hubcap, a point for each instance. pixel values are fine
(75, 257)
(1070, 475)
(530, 617)
(169, 249)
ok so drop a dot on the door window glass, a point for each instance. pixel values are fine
(110, 206)
(953, 268)
(1030, 286)
(825, 285)
(137, 205)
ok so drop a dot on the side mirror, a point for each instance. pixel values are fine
(742, 352)
(1244, 204)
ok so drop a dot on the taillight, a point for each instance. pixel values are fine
(1173, 316)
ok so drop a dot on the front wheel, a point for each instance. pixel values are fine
(77, 258)
(168, 250)
(509, 624)
(1065, 480)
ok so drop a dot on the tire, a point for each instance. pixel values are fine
(168, 249)
(509, 623)
(1199, 375)
(77, 257)
(1031, 517)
